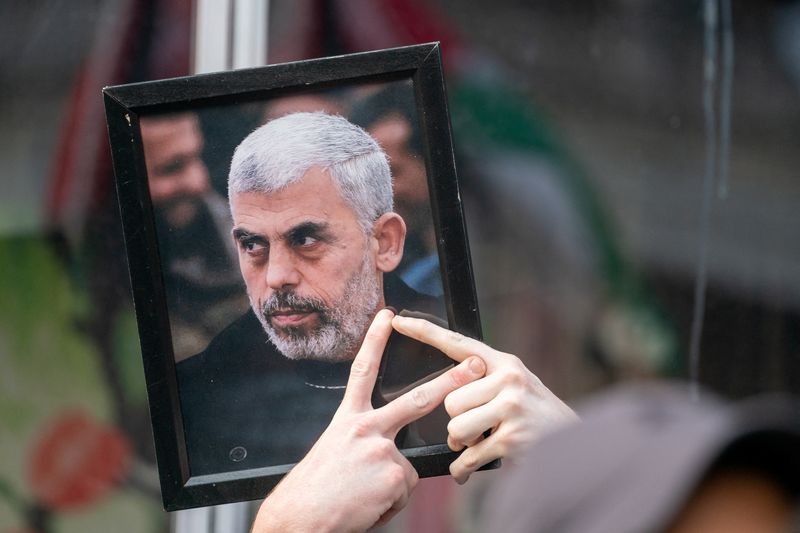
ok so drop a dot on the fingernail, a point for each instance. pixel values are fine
(476, 365)
(392, 309)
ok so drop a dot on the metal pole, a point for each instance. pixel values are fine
(227, 34)
(212, 36)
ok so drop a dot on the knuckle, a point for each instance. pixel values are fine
(414, 478)
(373, 336)
(477, 440)
(456, 431)
(426, 329)
(396, 475)
(420, 397)
(525, 374)
(511, 404)
(511, 376)
(384, 448)
(510, 441)
(454, 445)
(360, 428)
(469, 460)
(507, 356)
(360, 368)
(451, 405)
(454, 337)
(511, 361)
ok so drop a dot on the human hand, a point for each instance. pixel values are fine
(510, 401)
(354, 477)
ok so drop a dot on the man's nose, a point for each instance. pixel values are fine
(195, 180)
(281, 269)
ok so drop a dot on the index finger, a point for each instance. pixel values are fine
(364, 370)
(455, 345)
(424, 398)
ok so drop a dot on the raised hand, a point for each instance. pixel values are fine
(510, 401)
(354, 477)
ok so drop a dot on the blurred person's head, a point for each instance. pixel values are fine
(311, 199)
(177, 176)
(302, 103)
(651, 460)
(390, 116)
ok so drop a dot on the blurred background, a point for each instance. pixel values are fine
(629, 172)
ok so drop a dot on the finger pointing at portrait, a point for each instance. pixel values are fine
(510, 401)
(354, 477)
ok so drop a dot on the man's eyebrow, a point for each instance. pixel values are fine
(318, 230)
(242, 235)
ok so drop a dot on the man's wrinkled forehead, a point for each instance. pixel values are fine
(314, 195)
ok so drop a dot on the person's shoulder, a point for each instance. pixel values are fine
(236, 346)
(244, 330)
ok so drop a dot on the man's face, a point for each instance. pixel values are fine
(309, 268)
(176, 174)
(393, 133)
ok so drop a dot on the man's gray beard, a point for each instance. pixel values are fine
(341, 326)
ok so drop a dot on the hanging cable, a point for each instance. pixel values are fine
(717, 120)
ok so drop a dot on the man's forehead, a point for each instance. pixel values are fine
(159, 127)
(261, 208)
(314, 196)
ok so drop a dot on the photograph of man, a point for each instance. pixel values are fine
(318, 241)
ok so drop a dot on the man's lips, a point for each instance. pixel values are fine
(290, 317)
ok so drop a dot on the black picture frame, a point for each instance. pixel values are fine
(126, 104)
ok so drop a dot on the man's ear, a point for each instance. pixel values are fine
(389, 232)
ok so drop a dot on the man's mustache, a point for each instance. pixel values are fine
(289, 301)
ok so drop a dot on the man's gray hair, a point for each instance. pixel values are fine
(280, 152)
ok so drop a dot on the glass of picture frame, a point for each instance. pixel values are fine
(233, 402)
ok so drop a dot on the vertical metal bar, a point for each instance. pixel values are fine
(250, 33)
(192, 520)
(250, 19)
(212, 32)
(211, 45)
(231, 518)
(227, 34)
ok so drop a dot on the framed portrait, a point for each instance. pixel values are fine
(268, 214)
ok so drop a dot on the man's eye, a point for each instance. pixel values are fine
(173, 167)
(307, 241)
(252, 247)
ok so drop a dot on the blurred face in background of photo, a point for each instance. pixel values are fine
(177, 176)
(301, 103)
(393, 132)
